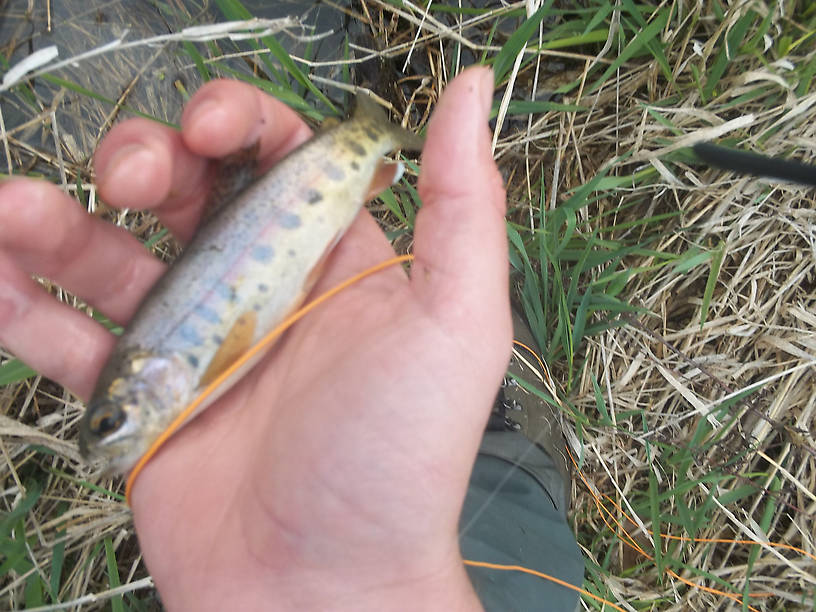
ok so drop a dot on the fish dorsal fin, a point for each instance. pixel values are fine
(328, 123)
(233, 174)
(238, 341)
(365, 107)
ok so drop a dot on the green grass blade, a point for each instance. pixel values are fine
(641, 39)
(654, 46)
(282, 93)
(768, 514)
(33, 492)
(57, 563)
(505, 58)
(234, 9)
(117, 603)
(390, 202)
(14, 371)
(88, 485)
(533, 107)
(92, 94)
(581, 316)
(34, 591)
(711, 282)
(13, 552)
(198, 60)
(733, 39)
(600, 403)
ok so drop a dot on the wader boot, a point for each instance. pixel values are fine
(515, 512)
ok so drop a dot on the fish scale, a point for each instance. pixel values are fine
(248, 267)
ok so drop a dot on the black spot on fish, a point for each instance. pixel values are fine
(372, 134)
(189, 334)
(355, 165)
(207, 313)
(356, 148)
(263, 253)
(192, 360)
(288, 220)
(313, 196)
(226, 291)
(291, 252)
(217, 339)
(334, 173)
(256, 307)
(263, 287)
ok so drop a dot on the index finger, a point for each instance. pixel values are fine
(145, 165)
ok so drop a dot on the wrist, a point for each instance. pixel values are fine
(444, 591)
(351, 590)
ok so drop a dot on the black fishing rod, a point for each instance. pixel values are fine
(755, 164)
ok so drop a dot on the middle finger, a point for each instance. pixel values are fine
(52, 236)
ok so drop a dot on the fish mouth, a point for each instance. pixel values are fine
(87, 442)
(113, 460)
(83, 447)
(116, 452)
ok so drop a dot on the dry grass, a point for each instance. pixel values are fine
(703, 431)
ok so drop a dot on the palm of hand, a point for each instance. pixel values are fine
(343, 454)
(339, 465)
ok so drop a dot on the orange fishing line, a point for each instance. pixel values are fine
(262, 344)
(625, 535)
(731, 596)
(292, 319)
(752, 542)
(526, 570)
(533, 353)
(669, 536)
(604, 512)
(621, 531)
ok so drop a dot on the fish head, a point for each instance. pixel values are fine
(130, 409)
(109, 431)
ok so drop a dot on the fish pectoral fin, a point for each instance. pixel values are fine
(386, 174)
(238, 341)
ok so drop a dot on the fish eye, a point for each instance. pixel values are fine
(106, 419)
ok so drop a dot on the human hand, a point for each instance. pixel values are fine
(332, 475)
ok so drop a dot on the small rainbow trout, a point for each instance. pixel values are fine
(248, 267)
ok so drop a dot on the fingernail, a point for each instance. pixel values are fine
(121, 165)
(205, 113)
(486, 88)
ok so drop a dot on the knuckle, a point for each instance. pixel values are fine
(12, 304)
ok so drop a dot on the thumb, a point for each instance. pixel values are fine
(461, 264)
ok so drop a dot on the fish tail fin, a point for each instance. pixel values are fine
(368, 110)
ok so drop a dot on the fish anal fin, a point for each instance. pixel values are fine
(238, 341)
(386, 174)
